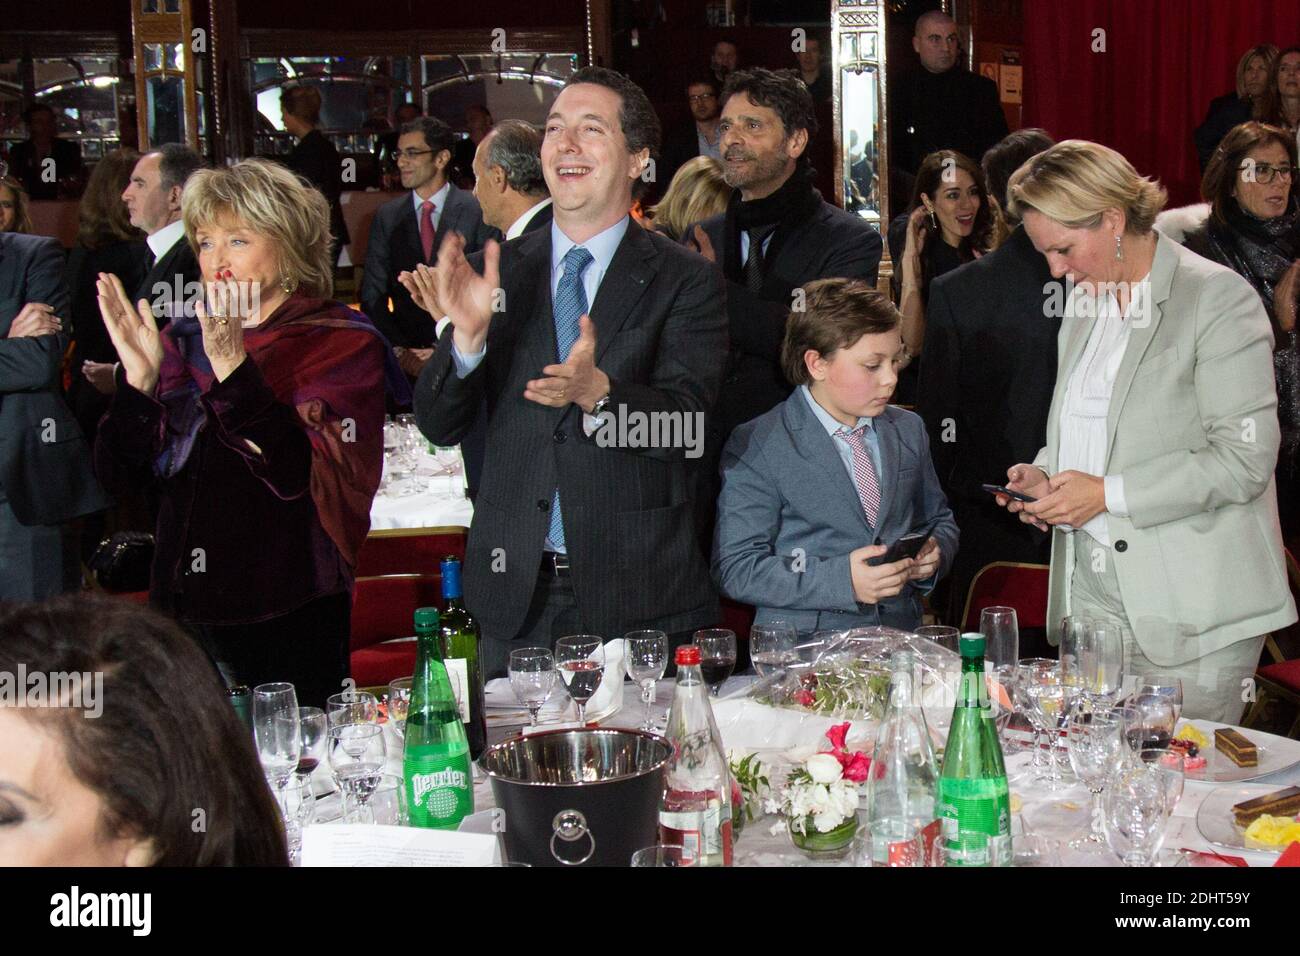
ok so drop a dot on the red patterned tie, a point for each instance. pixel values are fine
(426, 229)
(864, 473)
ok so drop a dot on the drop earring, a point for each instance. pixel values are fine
(933, 224)
(288, 284)
(1119, 248)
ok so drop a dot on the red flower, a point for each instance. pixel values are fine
(857, 767)
(836, 736)
(805, 698)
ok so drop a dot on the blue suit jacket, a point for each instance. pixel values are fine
(789, 515)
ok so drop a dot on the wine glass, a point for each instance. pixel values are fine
(314, 733)
(661, 855)
(581, 661)
(352, 707)
(1051, 698)
(1100, 661)
(532, 678)
(1134, 813)
(717, 656)
(395, 462)
(647, 659)
(1094, 740)
(1034, 670)
(277, 731)
(384, 803)
(399, 704)
(941, 634)
(1001, 635)
(356, 756)
(1169, 686)
(1170, 765)
(1002, 688)
(771, 647)
(1148, 722)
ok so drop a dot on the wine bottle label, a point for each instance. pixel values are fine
(458, 672)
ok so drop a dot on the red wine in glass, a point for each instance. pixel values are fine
(307, 764)
(715, 670)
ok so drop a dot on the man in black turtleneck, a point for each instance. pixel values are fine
(776, 235)
(941, 105)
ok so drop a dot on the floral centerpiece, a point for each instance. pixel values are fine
(749, 789)
(820, 799)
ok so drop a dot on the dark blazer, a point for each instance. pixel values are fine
(395, 247)
(661, 338)
(473, 447)
(44, 459)
(1224, 113)
(987, 372)
(126, 260)
(785, 490)
(956, 109)
(831, 243)
(175, 271)
(315, 159)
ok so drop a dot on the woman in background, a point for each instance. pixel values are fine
(697, 192)
(14, 215)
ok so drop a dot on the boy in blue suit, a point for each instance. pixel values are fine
(816, 490)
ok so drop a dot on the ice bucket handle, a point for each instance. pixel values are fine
(571, 826)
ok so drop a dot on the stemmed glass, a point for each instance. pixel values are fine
(399, 704)
(1001, 635)
(356, 756)
(299, 812)
(941, 634)
(771, 647)
(1052, 700)
(1135, 810)
(352, 707)
(532, 678)
(1034, 670)
(646, 659)
(581, 661)
(314, 733)
(1094, 742)
(384, 803)
(1100, 662)
(717, 656)
(1168, 686)
(1148, 722)
(277, 732)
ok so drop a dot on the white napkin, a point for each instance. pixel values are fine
(498, 694)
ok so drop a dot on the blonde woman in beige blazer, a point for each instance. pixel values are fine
(1157, 477)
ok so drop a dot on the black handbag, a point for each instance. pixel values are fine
(121, 562)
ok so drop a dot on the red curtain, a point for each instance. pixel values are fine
(1164, 61)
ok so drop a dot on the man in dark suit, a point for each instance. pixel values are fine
(581, 526)
(700, 138)
(314, 158)
(153, 201)
(987, 372)
(410, 229)
(45, 474)
(43, 162)
(940, 105)
(776, 235)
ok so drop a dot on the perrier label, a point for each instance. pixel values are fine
(436, 765)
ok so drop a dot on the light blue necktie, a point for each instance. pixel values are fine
(569, 306)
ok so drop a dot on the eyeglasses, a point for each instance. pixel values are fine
(411, 153)
(1264, 172)
(700, 97)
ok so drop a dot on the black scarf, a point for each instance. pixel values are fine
(1259, 250)
(796, 201)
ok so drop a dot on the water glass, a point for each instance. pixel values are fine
(399, 704)
(1101, 660)
(1001, 635)
(356, 757)
(277, 731)
(581, 662)
(1034, 670)
(717, 656)
(384, 804)
(1169, 686)
(941, 634)
(771, 647)
(1094, 741)
(646, 657)
(352, 707)
(532, 678)
(660, 856)
(298, 806)
(1135, 812)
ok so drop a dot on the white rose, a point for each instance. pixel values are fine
(824, 768)
(826, 822)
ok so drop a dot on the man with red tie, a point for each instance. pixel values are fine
(410, 229)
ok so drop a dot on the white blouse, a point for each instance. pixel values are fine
(1087, 401)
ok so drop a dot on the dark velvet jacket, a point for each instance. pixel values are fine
(263, 508)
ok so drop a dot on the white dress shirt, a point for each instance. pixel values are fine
(517, 227)
(161, 242)
(1087, 402)
(439, 200)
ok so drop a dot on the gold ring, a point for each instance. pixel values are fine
(222, 320)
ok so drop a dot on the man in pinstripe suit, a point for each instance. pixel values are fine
(592, 317)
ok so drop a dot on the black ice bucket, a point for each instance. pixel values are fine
(578, 797)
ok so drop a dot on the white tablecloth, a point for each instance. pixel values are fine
(438, 502)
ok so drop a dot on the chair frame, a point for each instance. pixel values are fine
(970, 591)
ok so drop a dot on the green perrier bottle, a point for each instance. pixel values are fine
(460, 656)
(974, 802)
(439, 781)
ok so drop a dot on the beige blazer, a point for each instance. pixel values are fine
(1193, 430)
